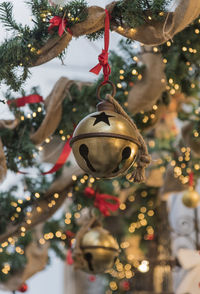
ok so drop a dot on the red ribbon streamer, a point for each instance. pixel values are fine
(19, 102)
(69, 258)
(103, 57)
(59, 22)
(60, 162)
(191, 179)
(62, 158)
(101, 201)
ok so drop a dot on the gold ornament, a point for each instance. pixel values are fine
(191, 198)
(95, 250)
(105, 144)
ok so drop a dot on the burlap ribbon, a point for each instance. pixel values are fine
(145, 93)
(171, 184)
(53, 105)
(153, 33)
(8, 124)
(143, 158)
(158, 32)
(37, 258)
(60, 186)
(154, 174)
(55, 46)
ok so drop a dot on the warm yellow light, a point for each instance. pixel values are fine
(144, 266)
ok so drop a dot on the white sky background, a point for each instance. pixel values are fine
(81, 56)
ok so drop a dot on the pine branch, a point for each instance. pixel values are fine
(6, 16)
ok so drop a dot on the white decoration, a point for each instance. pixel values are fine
(190, 261)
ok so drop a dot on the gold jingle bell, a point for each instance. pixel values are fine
(191, 198)
(99, 251)
(104, 143)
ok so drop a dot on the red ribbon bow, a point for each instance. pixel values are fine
(59, 22)
(101, 201)
(103, 57)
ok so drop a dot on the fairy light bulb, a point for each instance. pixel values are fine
(144, 266)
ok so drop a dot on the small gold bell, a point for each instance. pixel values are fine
(191, 198)
(99, 250)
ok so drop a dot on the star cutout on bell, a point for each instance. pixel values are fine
(102, 117)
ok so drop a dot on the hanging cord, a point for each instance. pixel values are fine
(143, 159)
(103, 57)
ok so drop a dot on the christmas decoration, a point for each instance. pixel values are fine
(103, 57)
(190, 261)
(35, 46)
(102, 201)
(95, 249)
(105, 137)
(145, 93)
(69, 258)
(59, 22)
(23, 288)
(94, 144)
(125, 209)
(191, 198)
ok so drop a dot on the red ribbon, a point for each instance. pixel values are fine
(69, 234)
(62, 158)
(191, 179)
(19, 102)
(59, 22)
(101, 201)
(103, 57)
(69, 258)
(60, 162)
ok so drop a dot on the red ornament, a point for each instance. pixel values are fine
(150, 237)
(126, 285)
(92, 278)
(23, 288)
